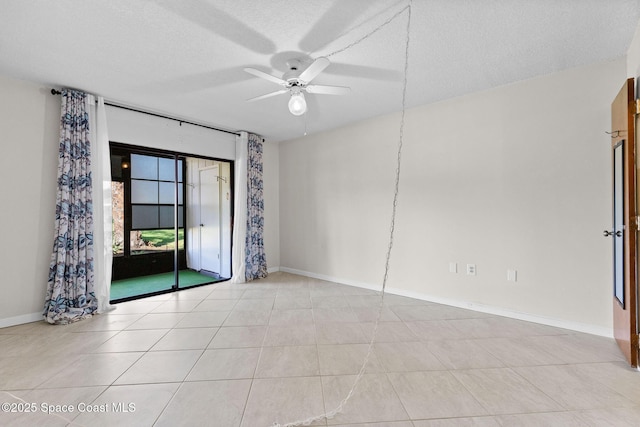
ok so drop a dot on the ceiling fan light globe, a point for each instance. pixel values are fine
(297, 104)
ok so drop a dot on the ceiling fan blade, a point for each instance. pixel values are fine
(265, 76)
(328, 90)
(268, 95)
(314, 69)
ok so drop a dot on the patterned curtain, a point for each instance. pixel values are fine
(256, 262)
(70, 289)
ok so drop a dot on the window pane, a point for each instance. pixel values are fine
(149, 241)
(144, 167)
(166, 216)
(167, 169)
(144, 217)
(144, 191)
(167, 172)
(117, 212)
(167, 193)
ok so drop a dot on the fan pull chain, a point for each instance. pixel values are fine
(375, 30)
(339, 408)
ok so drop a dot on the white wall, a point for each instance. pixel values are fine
(633, 55)
(129, 127)
(29, 125)
(225, 196)
(517, 177)
(271, 193)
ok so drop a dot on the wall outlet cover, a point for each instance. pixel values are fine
(471, 269)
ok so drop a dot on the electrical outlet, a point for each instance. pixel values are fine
(453, 267)
(471, 269)
(512, 275)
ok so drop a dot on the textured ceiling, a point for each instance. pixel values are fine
(186, 58)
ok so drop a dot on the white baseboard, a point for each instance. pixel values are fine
(273, 270)
(19, 320)
(498, 311)
(331, 279)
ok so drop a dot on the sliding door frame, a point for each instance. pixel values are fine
(178, 256)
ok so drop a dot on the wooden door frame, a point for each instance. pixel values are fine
(625, 320)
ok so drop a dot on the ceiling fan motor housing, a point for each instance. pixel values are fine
(296, 67)
(296, 80)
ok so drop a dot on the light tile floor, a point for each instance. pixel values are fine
(289, 347)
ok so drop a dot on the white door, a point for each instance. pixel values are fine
(210, 220)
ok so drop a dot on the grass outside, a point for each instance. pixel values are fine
(163, 237)
(157, 241)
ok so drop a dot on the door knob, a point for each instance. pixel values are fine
(201, 225)
(618, 233)
(606, 233)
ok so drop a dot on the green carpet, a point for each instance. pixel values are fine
(128, 288)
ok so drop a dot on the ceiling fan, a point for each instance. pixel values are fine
(296, 82)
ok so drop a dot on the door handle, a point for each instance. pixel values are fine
(606, 233)
(201, 225)
(619, 233)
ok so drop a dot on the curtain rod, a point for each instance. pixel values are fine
(57, 92)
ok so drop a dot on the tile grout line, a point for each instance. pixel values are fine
(173, 396)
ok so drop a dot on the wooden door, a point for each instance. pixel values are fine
(625, 225)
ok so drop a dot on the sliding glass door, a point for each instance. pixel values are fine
(153, 195)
